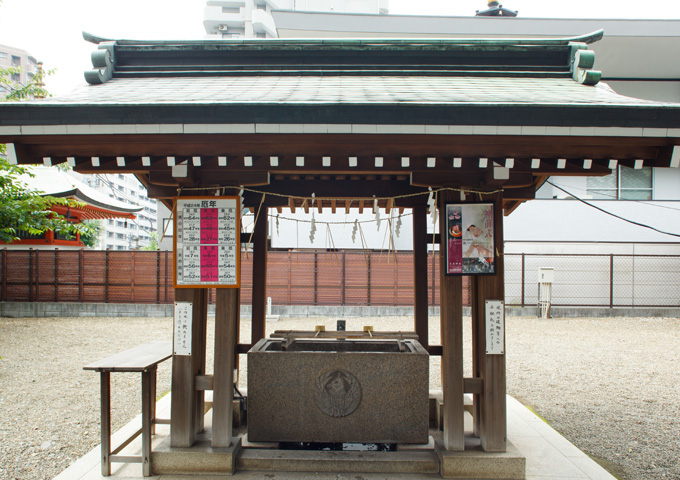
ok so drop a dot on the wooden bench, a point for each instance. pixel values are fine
(143, 359)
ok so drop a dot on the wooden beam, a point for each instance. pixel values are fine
(289, 146)
(490, 419)
(441, 178)
(203, 382)
(341, 188)
(519, 194)
(473, 385)
(187, 406)
(259, 290)
(573, 168)
(451, 295)
(420, 280)
(206, 179)
(226, 319)
(158, 191)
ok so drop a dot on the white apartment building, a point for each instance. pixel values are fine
(253, 18)
(15, 57)
(121, 234)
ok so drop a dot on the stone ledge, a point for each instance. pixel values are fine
(267, 460)
(480, 465)
(199, 459)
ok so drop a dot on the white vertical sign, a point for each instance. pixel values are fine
(183, 318)
(495, 327)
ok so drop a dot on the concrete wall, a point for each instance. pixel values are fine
(573, 221)
(17, 310)
(660, 90)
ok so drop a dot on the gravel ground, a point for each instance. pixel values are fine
(611, 386)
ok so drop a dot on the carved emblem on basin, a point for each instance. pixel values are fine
(338, 393)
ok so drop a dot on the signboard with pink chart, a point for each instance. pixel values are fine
(470, 245)
(207, 247)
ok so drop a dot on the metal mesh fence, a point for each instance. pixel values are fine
(336, 278)
(596, 280)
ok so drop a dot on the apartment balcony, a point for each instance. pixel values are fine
(263, 22)
(219, 18)
(275, 4)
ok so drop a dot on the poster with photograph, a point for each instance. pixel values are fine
(470, 247)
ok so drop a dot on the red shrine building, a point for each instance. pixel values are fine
(94, 206)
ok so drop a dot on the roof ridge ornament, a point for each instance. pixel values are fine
(582, 62)
(103, 60)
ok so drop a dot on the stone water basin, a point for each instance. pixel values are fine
(338, 391)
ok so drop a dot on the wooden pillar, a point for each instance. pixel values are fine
(226, 319)
(490, 411)
(451, 315)
(420, 300)
(259, 297)
(187, 408)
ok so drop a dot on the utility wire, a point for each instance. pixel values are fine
(613, 214)
(614, 197)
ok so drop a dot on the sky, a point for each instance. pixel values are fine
(51, 31)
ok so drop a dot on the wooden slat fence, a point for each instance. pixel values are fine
(336, 278)
(294, 278)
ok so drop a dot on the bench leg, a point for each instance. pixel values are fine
(154, 378)
(106, 423)
(147, 401)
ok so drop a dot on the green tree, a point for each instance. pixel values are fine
(153, 242)
(91, 237)
(21, 208)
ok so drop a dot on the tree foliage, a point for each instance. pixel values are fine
(21, 208)
(91, 237)
(25, 210)
(153, 242)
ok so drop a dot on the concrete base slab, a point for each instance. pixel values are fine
(418, 447)
(480, 465)
(200, 459)
(260, 445)
(267, 460)
(548, 456)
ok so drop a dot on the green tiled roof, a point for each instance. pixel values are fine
(316, 90)
(527, 82)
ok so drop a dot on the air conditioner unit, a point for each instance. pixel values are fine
(223, 28)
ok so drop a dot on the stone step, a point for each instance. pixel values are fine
(267, 460)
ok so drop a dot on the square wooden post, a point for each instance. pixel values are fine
(259, 292)
(451, 314)
(490, 410)
(226, 319)
(187, 409)
(420, 300)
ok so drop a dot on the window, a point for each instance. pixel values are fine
(624, 184)
(3, 55)
(16, 61)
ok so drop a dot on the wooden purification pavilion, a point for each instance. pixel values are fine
(346, 122)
